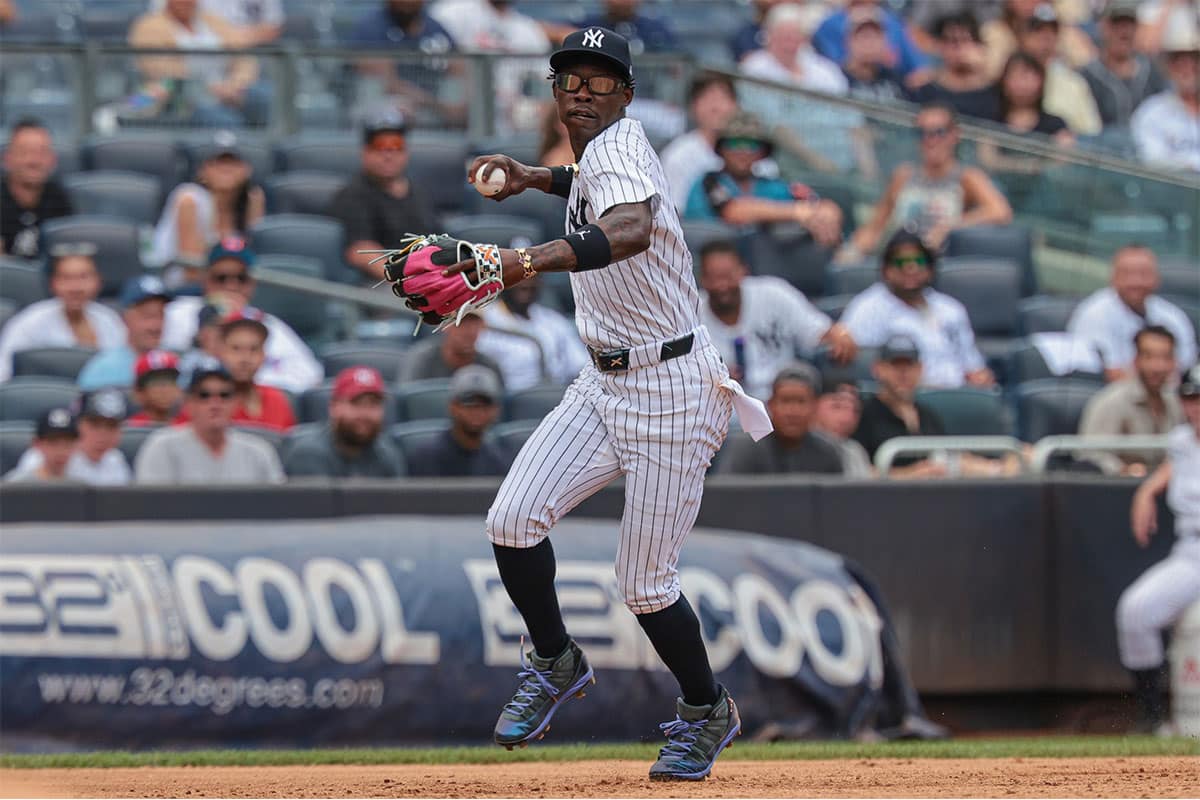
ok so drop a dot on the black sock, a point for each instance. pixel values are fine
(675, 634)
(1148, 690)
(528, 575)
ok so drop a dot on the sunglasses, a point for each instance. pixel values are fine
(229, 277)
(224, 394)
(934, 133)
(909, 261)
(742, 144)
(599, 85)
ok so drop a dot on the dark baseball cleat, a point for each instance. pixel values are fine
(546, 683)
(695, 738)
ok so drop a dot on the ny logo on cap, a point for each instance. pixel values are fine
(593, 38)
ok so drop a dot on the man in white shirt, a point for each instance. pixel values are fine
(905, 303)
(54, 442)
(712, 101)
(761, 324)
(561, 355)
(1166, 127)
(207, 450)
(1109, 318)
(71, 318)
(229, 283)
(788, 56)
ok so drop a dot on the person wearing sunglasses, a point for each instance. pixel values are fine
(934, 196)
(904, 302)
(207, 450)
(228, 283)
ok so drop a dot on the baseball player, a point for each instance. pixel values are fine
(653, 406)
(1156, 599)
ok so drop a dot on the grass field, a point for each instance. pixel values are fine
(1033, 747)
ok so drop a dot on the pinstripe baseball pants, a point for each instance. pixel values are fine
(658, 426)
(1155, 601)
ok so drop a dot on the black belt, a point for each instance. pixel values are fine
(617, 360)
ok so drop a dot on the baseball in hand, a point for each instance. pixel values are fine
(493, 184)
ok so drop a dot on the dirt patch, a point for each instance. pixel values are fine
(1017, 777)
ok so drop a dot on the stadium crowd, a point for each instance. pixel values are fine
(146, 349)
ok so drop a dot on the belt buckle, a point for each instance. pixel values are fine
(611, 360)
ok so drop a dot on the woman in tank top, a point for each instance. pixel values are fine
(933, 197)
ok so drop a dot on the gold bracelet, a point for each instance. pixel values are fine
(526, 263)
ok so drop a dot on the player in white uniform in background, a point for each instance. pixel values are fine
(1155, 601)
(652, 407)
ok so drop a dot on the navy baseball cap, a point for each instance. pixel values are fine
(386, 121)
(206, 367)
(142, 288)
(233, 247)
(56, 422)
(106, 404)
(900, 346)
(597, 42)
(1189, 383)
(223, 144)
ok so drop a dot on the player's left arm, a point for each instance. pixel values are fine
(1143, 512)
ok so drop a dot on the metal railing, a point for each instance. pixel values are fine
(946, 447)
(1045, 448)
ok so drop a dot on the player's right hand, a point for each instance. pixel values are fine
(519, 175)
(1143, 517)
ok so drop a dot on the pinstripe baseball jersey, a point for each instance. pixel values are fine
(649, 297)
(1183, 492)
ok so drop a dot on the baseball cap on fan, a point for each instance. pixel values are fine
(473, 383)
(353, 382)
(1189, 383)
(107, 404)
(153, 364)
(900, 347)
(56, 422)
(596, 42)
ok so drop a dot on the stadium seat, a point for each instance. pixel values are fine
(132, 439)
(850, 278)
(1013, 242)
(133, 195)
(40, 27)
(1044, 313)
(302, 192)
(298, 433)
(547, 210)
(15, 439)
(268, 435)
(499, 229)
(117, 240)
(307, 314)
(22, 281)
(411, 436)
(427, 399)
(51, 362)
(1188, 305)
(385, 358)
(341, 155)
(1025, 363)
(259, 156)
(523, 147)
(535, 402)
(150, 155)
(1051, 406)
(7, 309)
(833, 304)
(511, 436)
(438, 162)
(968, 411)
(699, 232)
(990, 289)
(306, 235)
(106, 24)
(1179, 277)
(27, 398)
(801, 262)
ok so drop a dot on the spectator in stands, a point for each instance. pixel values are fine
(261, 21)
(867, 63)
(207, 341)
(464, 449)
(761, 324)
(751, 37)
(71, 318)
(156, 388)
(29, 192)
(645, 34)
(787, 55)
(839, 410)
(244, 336)
(903, 56)
(712, 101)
(792, 447)
(233, 94)
(143, 310)
(1140, 404)
(1109, 318)
(351, 446)
(402, 24)
(229, 284)
(923, 16)
(554, 148)
(1022, 90)
(95, 459)
(1121, 78)
(222, 202)
(904, 303)
(1157, 17)
(207, 450)
(380, 205)
(8, 12)
(442, 356)
(561, 355)
(736, 196)
(961, 82)
(1067, 93)
(1000, 37)
(54, 440)
(1166, 127)
(934, 197)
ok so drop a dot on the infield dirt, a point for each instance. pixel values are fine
(1157, 776)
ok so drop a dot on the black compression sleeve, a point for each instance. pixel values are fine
(591, 246)
(561, 179)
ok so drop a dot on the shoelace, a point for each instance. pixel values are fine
(533, 681)
(681, 736)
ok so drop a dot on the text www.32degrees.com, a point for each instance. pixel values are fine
(146, 686)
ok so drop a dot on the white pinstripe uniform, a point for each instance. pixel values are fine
(657, 423)
(1156, 599)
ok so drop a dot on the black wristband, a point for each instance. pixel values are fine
(592, 250)
(561, 179)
